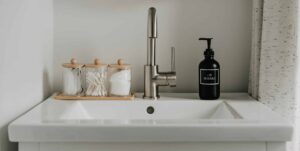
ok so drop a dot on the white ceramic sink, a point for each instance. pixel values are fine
(58, 111)
(176, 118)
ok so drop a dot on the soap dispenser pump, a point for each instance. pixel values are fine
(209, 74)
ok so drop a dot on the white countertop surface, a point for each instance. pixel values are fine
(178, 117)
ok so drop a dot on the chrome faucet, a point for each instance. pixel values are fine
(152, 77)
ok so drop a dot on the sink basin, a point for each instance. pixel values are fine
(62, 111)
(179, 117)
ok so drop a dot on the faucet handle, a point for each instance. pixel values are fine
(173, 69)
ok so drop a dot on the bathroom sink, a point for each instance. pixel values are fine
(179, 117)
(137, 112)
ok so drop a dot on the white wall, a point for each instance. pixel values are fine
(25, 59)
(111, 29)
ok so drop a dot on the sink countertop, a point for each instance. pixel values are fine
(178, 117)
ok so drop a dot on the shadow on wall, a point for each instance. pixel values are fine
(26, 35)
(47, 90)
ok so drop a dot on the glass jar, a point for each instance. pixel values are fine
(96, 79)
(119, 79)
(72, 78)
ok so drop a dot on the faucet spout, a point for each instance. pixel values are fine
(152, 23)
(152, 35)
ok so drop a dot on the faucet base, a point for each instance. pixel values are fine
(154, 79)
(150, 87)
(151, 98)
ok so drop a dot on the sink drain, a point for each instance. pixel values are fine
(150, 110)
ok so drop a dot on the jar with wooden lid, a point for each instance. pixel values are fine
(96, 79)
(72, 78)
(119, 79)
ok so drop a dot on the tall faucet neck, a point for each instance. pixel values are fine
(152, 35)
(153, 79)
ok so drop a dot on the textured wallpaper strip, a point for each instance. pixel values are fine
(277, 72)
(257, 13)
(273, 75)
(273, 57)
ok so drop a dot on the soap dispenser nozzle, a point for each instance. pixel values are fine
(208, 53)
(208, 41)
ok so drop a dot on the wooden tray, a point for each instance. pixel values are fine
(60, 96)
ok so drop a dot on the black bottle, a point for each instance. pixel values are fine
(209, 75)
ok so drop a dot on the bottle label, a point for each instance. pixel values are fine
(209, 76)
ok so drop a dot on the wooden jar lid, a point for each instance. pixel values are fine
(120, 65)
(73, 64)
(97, 64)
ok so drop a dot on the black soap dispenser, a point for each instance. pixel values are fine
(209, 74)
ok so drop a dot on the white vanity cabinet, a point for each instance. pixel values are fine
(177, 122)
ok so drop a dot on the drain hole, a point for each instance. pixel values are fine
(150, 110)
